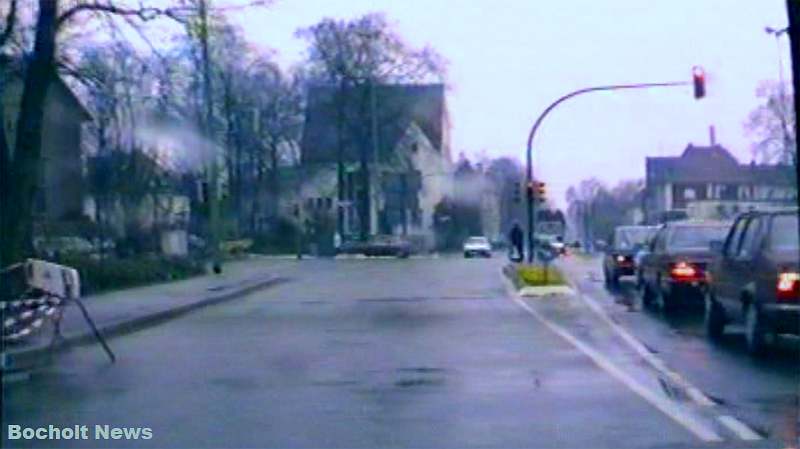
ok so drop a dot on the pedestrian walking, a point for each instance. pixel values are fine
(516, 237)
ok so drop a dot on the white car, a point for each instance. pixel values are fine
(477, 246)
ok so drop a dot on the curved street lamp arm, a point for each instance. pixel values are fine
(529, 172)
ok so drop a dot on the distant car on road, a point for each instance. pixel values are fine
(379, 245)
(477, 246)
(619, 259)
(674, 269)
(755, 278)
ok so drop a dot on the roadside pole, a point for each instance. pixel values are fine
(529, 150)
(213, 191)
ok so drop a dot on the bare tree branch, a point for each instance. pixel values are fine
(143, 13)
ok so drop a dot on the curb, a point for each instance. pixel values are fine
(16, 361)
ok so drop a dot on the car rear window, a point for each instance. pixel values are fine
(628, 238)
(696, 237)
(477, 240)
(785, 233)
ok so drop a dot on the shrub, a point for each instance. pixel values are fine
(112, 273)
(536, 275)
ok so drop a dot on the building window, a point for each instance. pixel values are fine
(689, 194)
(414, 147)
(328, 203)
(728, 192)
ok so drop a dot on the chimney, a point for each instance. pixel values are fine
(712, 135)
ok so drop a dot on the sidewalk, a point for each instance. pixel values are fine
(123, 311)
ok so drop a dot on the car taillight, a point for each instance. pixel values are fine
(788, 285)
(683, 270)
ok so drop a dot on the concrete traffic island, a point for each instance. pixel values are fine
(537, 281)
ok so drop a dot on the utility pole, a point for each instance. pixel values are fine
(213, 194)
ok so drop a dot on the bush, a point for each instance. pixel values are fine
(535, 275)
(280, 239)
(112, 273)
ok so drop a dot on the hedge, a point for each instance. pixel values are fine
(113, 273)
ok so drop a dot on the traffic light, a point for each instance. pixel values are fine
(529, 190)
(699, 80)
(541, 192)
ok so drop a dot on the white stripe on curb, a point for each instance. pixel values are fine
(667, 407)
(739, 428)
(694, 393)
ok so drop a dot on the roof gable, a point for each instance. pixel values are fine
(332, 117)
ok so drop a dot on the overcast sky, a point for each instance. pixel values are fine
(509, 59)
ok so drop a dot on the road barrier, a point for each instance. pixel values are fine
(36, 293)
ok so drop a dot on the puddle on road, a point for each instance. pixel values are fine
(418, 382)
(421, 370)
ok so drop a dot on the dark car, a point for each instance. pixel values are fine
(619, 259)
(673, 270)
(379, 245)
(755, 278)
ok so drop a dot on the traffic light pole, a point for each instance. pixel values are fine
(529, 172)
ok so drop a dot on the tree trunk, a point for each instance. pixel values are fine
(25, 166)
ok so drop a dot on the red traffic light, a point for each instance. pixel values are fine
(699, 81)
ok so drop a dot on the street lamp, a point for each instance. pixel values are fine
(529, 150)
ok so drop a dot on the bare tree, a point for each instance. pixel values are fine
(772, 124)
(21, 166)
(353, 57)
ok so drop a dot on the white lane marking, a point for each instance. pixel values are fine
(694, 393)
(739, 428)
(667, 407)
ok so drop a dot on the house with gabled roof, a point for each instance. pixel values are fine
(61, 178)
(705, 179)
(401, 132)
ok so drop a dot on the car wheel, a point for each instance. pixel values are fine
(754, 330)
(714, 318)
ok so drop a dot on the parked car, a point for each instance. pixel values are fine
(619, 256)
(379, 245)
(755, 278)
(673, 271)
(555, 244)
(477, 246)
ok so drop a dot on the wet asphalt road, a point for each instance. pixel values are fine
(763, 392)
(359, 353)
